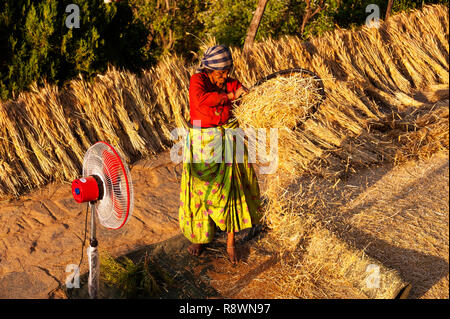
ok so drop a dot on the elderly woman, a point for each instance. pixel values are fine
(216, 189)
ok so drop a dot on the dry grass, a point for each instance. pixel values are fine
(371, 115)
(279, 102)
(329, 268)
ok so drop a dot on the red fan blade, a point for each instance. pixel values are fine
(112, 166)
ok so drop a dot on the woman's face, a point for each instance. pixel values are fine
(218, 77)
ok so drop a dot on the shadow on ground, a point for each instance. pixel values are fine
(189, 275)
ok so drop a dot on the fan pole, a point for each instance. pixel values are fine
(94, 263)
(93, 241)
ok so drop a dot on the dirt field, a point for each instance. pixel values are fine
(398, 215)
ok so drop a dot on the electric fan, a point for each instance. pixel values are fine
(107, 189)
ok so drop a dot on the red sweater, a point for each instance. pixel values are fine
(207, 104)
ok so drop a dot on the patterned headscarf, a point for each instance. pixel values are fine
(217, 57)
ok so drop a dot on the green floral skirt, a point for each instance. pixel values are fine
(218, 185)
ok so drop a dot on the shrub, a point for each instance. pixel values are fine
(36, 44)
(169, 24)
(134, 280)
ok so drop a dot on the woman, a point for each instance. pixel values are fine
(215, 190)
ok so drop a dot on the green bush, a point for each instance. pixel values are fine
(228, 20)
(36, 44)
(169, 24)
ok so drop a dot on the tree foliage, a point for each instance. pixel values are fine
(173, 25)
(228, 20)
(36, 44)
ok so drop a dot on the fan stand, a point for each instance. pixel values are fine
(93, 240)
(94, 263)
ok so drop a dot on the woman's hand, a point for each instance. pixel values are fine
(239, 92)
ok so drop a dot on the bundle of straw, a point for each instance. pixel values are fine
(281, 102)
(328, 259)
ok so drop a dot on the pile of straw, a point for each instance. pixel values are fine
(45, 132)
(281, 102)
(330, 268)
(373, 113)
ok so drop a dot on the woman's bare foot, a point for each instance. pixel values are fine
(195, 249)
(231, 249)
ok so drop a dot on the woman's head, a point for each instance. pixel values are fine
(217, 62)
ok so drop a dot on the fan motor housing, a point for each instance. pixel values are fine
(87, 189)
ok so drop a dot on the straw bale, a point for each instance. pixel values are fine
(278, 103)
(368, 275)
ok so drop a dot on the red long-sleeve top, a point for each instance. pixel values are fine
(207, 104)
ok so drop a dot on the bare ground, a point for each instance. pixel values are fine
(398, 215)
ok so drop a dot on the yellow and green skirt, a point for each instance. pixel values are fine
(217, 187)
